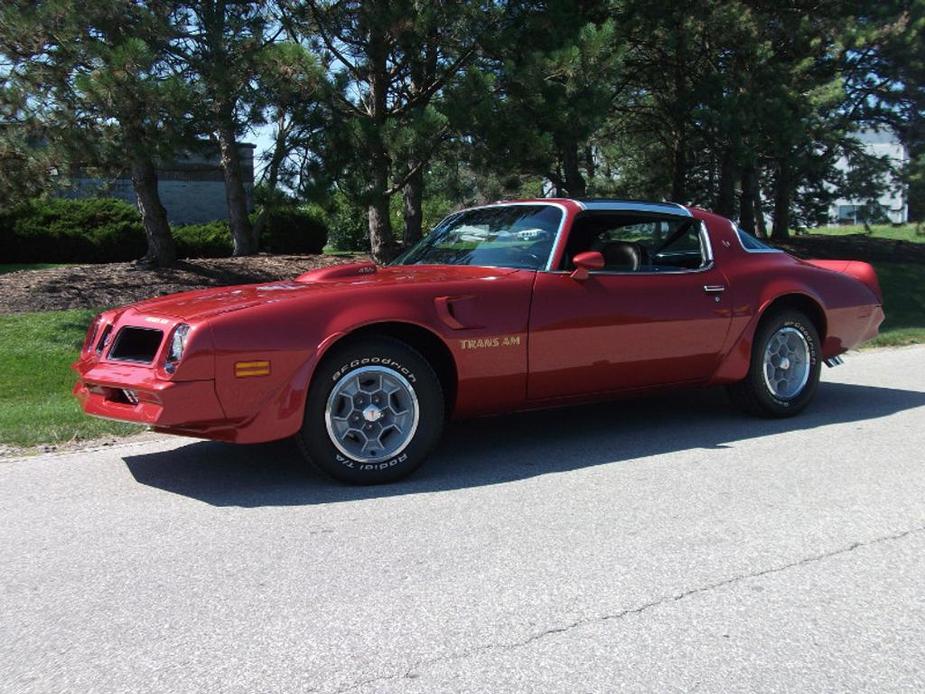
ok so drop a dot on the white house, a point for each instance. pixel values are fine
(893, 201)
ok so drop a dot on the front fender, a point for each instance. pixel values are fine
(293, 340)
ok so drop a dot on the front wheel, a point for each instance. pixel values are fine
(785, 366)
(374, 411)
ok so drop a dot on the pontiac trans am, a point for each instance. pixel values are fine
(503, 307)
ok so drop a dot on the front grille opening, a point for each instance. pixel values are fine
(136, 344)
(117, 395)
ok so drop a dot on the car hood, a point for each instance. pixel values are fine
(204, 303)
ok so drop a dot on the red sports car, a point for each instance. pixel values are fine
(503, 307)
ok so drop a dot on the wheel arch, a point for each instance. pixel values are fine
(737, 361)
(798, 301)
(430, 345)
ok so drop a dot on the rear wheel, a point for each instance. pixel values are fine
(374, 411)
(785, 366)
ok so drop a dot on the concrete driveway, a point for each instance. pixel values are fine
(667, 544)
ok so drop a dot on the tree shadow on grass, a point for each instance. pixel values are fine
(503, 449)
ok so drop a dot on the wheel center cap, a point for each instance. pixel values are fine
(785, 363)
(371, 413)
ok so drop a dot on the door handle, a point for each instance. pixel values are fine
(714, 288)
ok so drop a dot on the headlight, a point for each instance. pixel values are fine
(103, 342)
(177, 345)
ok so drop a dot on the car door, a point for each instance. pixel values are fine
(658, 324)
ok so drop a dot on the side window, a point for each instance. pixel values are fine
(649, 234)
(633, 244)
(688, 249)
(750, 243)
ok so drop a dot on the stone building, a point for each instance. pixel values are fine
(191, 187)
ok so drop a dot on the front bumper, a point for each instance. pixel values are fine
(187, 406)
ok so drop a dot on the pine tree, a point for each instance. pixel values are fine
(219, 49)
(91, 83)
(389, 63)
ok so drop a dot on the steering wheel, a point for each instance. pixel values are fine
(535, 258)
(521, 256)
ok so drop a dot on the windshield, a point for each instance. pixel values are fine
(515, 236)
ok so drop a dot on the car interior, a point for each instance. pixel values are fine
(632, 242)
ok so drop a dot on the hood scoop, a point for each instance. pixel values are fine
(337, 272)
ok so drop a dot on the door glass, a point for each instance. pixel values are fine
(631, 244)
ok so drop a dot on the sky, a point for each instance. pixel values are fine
(262, 136)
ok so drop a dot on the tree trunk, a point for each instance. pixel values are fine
(161, 249)
(782, 195)
(558, 185)
(747, 200)
(412, 198)
(725, 195)
(381, 244)
(381, 241)
(423, 72)
(679, 93)
(241, 232)
(760, 226)
(574, 181)
(679, 171)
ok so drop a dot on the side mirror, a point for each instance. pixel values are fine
(585, 262)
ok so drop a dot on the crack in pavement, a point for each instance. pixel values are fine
(411, 671)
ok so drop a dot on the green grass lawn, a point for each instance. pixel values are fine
(903, 287)
(904, 232)
(13, 267)
(36, 405)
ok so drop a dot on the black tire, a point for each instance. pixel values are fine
(753, 394)
(317, 445)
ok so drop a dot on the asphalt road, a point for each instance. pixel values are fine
(668, 545)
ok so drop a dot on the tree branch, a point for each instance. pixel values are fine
(425, 94)
(329, 42)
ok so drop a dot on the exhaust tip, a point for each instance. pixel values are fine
(832, 362)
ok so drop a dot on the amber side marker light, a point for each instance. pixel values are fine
(243, 369)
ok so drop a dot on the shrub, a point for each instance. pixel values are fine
(208, 240)
(105, 230)
(291, 230)
(57, 230)
(348, 224)
(286, 230)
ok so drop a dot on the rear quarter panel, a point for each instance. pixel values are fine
(757, 279)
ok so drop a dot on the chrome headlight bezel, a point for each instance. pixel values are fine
(178, 339)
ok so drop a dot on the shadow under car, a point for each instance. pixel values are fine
(495, 450)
